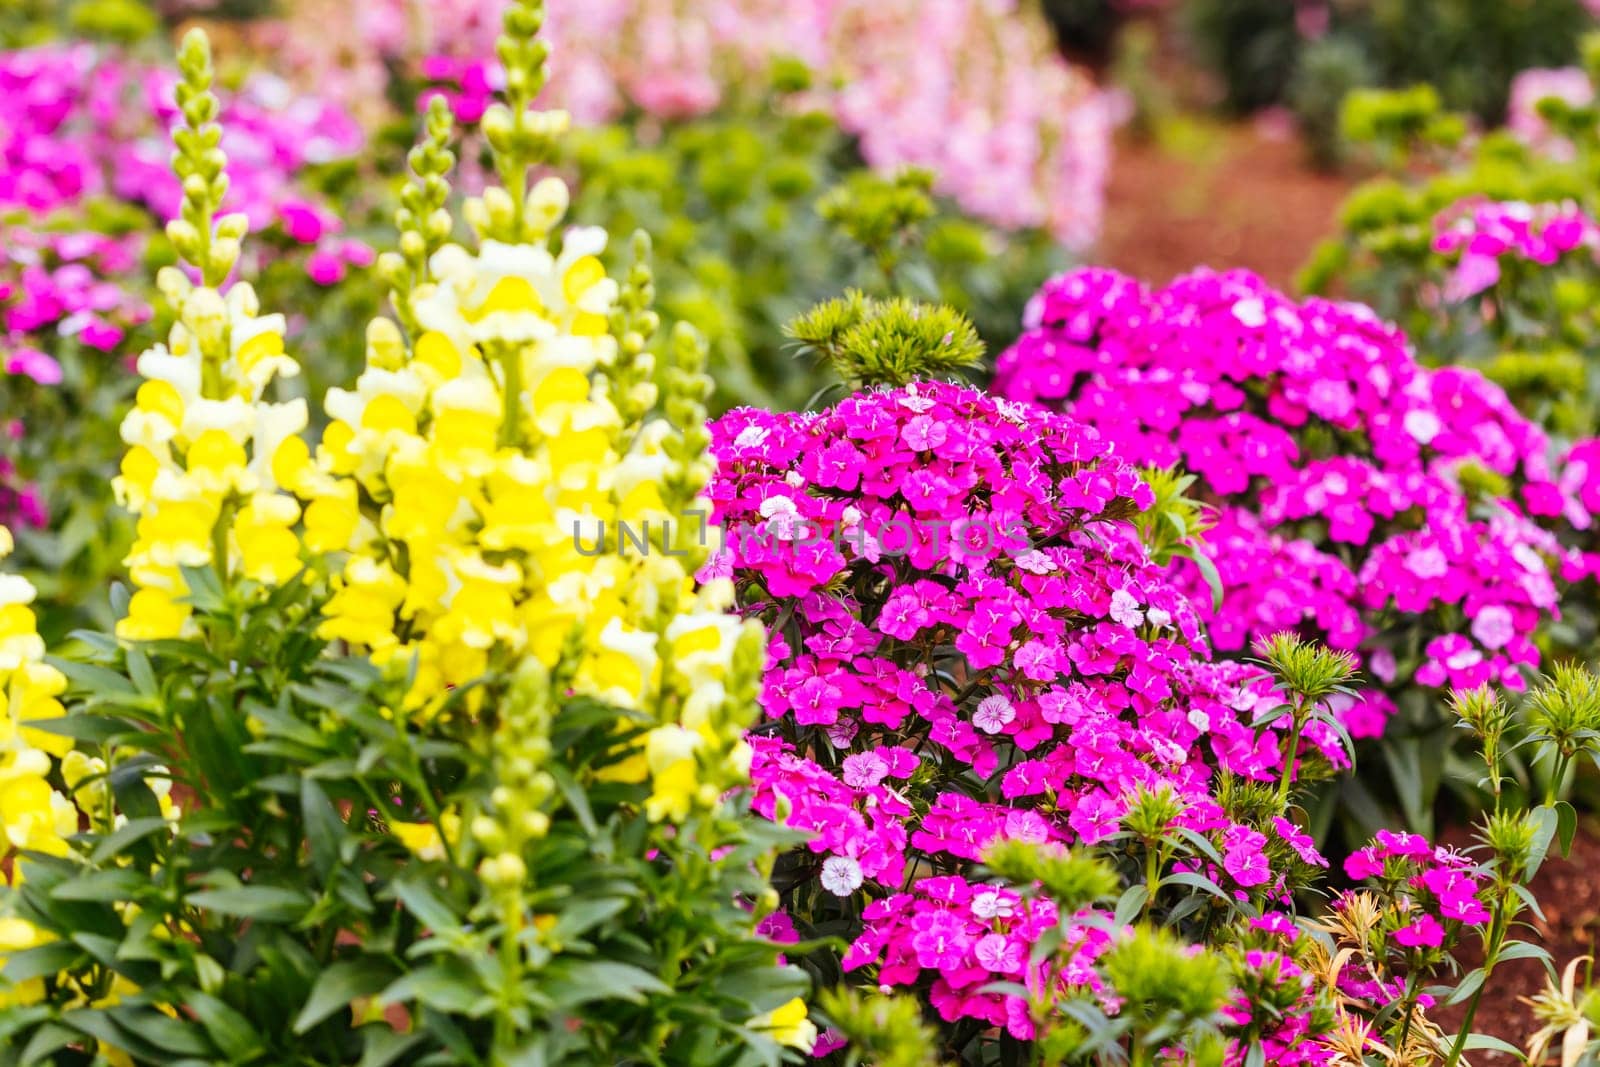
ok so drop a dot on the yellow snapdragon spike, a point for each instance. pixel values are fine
(204, 448)
(33, 815)
(496, 503)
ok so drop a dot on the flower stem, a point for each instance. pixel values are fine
(1289, 753)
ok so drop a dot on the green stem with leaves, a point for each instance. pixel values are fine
(1491, 954)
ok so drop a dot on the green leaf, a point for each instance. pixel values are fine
(337, 986)
(420, 900)
(449, 986)
(571, 984)
(1566, 826)
(1521, 950)
(1548, 822)
(46, 1042)
(109, 886)
(117, 841)
(264, 903)
(41, 962)
(81, 726)
(99, 682)
(179, 1038)
(1466, 987)
(1132, 902)
(1406, 767)
(325, 830)
(1200, 882)
(139, 672)
(384, 1046)
(582, 916)
(1480, 1041)
(231, 1031)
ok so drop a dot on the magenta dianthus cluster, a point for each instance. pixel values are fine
(1341, 470)
(1481, 236)
(929, 694)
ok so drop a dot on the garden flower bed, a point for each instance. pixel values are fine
(410, 660)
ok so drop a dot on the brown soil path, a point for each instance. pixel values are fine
(1221, 196)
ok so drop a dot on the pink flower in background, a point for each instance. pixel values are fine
(1483, 234)
(84, 123)
(974, 90)
(1570, 84)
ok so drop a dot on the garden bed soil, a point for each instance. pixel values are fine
(1568, 890)
(1223, 196)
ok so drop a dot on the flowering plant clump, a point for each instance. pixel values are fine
(84, 185)
(1360, 498)
(1489, 259)
(451, 788)
(971, 645)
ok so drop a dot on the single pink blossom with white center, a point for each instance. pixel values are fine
(841, 733)
(991, 904)
(1250, 312)
(1423, 426)
(751, 436)
(1493, 627)
(841, 875)
(998, 953)
(1125, 609)
(993, 713)
(1035, 562)
(1427, 563)
(864, 770)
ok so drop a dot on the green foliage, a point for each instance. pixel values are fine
(882, 1031)
(1072, 879)
(1329, 70)
(1466, 51)
(287, 905)
(1530, 330)
(33, 22)
(1168, 988)
(1471, 49)
(871, 342)
(1251, 45)
(760, 212)
(1397, 119)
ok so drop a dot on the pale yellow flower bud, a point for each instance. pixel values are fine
(233, 227)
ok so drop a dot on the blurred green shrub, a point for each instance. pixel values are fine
(1251, 45)
(762, 211)
(1524, 327)
(1308, 54)
(31, 22)
(1330, 68)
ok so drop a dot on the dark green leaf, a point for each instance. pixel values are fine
(338, 986)
(264, 903)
